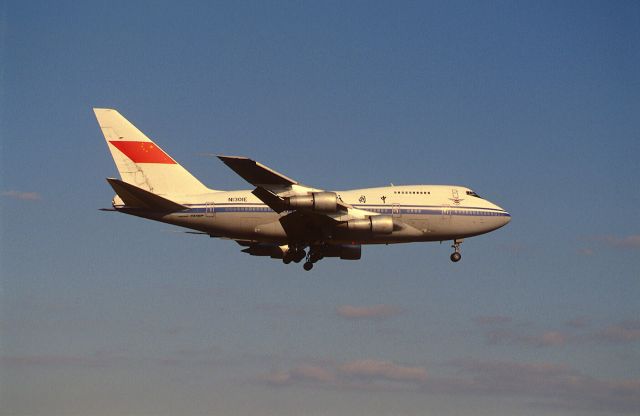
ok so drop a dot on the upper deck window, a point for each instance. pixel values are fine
(413, 192)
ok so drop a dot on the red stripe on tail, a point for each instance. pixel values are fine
(143, 152)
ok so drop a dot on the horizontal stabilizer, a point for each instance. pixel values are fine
(255, 172)
(135, 197)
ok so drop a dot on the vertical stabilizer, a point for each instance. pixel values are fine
(141, 162)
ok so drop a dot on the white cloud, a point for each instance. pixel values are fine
(352, 374)
(367, 312)
(547, 384)
(540, 384)
(629, 242)
(621, 333)
(385, 370)
(22, 196)
(492, 319)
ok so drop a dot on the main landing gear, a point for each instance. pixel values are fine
(294, 254)
(314, 255)
(298, 253)
(456, 256)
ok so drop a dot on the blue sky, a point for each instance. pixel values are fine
(535, 105)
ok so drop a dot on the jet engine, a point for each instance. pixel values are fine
(315, 201)
(345, 252)
(378, 224)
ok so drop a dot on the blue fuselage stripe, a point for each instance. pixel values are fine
(378, 209)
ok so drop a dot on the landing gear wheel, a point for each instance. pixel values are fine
(315, 257)
(286, 259)
(307, 266)
(299, 256)
(456, 256)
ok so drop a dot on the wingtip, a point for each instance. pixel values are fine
(102, 109)
(232, 160)
(227, 157)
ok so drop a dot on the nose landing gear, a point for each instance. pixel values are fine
(456, 256)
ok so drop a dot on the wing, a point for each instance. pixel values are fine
(256, 173)
(272, 188)
(310, 214)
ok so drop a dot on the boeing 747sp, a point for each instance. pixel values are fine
(282, 218)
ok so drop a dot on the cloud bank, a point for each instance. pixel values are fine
(545, 385)
(367, 312)
(499, 331)
(22, 196)
(364, 373)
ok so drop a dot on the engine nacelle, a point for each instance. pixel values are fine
(378, 224)
(345, 252)
(316, 201)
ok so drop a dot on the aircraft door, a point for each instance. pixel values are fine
(210, 209)
(446, 213)
(395, 211)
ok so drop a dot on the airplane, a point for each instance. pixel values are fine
(281, 218)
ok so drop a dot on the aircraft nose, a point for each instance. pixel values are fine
(505, 217)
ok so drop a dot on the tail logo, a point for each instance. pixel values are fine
(142, 152)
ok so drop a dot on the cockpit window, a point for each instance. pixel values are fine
(471, 193)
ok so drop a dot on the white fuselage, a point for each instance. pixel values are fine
(280, 217)
(425, 212)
